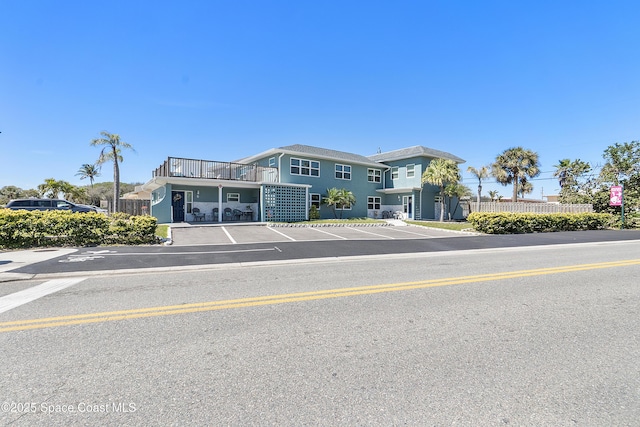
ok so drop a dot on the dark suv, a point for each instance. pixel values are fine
(47, 205)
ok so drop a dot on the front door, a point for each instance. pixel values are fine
(177, 206)
(407, 206)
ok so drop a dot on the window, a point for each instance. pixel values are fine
(188, 201)
(314, 200)
(233, 197)
(394, 173)
(374, 175)
(272, 162)
(411, 171)
(373, 202)
(343, 171)
(305, 167)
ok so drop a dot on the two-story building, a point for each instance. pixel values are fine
(281, 184)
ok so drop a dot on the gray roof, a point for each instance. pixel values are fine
(300, 149)
(415, 151)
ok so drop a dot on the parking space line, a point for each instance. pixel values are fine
(326, 232)
(368, 232)
(282, 234)
(229, 236)
(17, 299)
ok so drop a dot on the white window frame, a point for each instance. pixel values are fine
(188, 201)
(374, 202)
(395, 172)
(374, 175)
(272, 162)
(233, 197)
(341, 173)
(305, 167)
(313, 202)
(411, 170)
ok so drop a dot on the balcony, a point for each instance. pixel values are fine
(191, 168)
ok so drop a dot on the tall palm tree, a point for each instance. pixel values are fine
(480, 173)
(112, 146)
(441, 172)
(89, 171)
(515, 165)
(562, 170)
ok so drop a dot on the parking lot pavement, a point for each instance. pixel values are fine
(203, 235)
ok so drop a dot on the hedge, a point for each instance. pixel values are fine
(25, 229)
(510, 223)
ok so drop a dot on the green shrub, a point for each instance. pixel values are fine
(314, 213)
(24, 229)
(510, 223)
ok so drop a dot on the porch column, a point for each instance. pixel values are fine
(219, 202)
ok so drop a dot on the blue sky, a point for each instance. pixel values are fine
(221, 80)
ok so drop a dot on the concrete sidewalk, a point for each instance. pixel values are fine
(11, 260)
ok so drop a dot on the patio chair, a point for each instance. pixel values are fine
(237, 214)
(228, 214)
(215, 214)
(197, 215)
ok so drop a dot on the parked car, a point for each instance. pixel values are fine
(100, 210)
(48, 205)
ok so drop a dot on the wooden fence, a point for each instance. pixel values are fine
(132, 206)
(520, 207)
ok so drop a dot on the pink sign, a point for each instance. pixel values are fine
(615, 196)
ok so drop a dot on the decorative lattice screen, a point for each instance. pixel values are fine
(284, 203)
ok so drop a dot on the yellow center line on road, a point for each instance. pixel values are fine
(109, 316)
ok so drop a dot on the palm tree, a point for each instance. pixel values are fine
(458, 191)
(347, 199)
(525, 187)
(493, 194)
(111, 153)
(562, 170)
(89, 171)
(441, 172)
(481, 174)
(332, 199)
(51, 188)
(339, 199)
(514, 166)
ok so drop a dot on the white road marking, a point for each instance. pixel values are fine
(326, 232)
(282, 234)
(412, 232)
(229, 235)
(368, 232)
(155, 254)
(17, 299)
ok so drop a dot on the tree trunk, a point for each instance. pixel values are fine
(441, 204)
(116, 184)
(514, 197)
(479, 196)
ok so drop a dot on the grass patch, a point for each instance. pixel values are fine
(162, 231)
(456, 226)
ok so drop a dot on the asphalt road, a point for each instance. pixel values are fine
(139, 258)
(542, 336)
